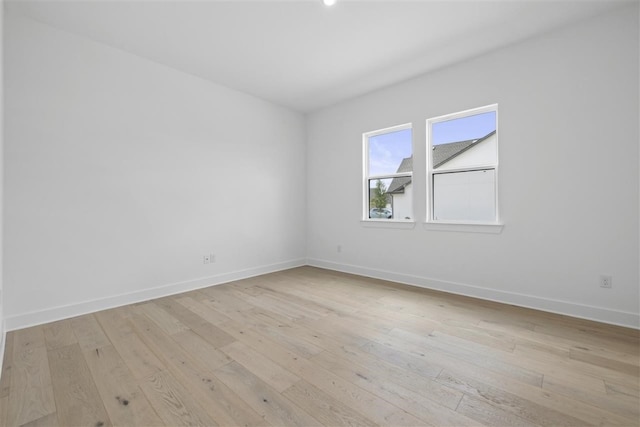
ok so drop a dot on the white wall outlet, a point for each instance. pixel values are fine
(212, 258)
(605, 281)
(206, 259)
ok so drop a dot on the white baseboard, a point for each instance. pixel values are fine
(64, 312)
(598, 314)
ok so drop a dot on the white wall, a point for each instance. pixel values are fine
(2, 325)
(121, 173)
(568, 183)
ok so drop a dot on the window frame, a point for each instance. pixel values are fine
(464, 225)
(366, 177)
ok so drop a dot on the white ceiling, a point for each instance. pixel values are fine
(300, 53)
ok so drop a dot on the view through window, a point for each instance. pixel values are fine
(462, 161)
(388, 174)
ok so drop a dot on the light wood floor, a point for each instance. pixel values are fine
(312, 347)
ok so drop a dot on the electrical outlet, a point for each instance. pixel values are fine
(206, 259)
(605, 282)
(212, 258)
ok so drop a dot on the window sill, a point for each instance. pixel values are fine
(489, 228)
(385, 223)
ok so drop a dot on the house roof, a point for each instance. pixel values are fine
(441, 154)
(397, 184)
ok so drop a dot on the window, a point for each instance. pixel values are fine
(388, 170)
(462, 167)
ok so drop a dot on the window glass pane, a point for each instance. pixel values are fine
(460, 196)
(390, 198)
(379, 199)
(387, 151)
(464, 142)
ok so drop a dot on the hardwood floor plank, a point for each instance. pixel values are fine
(421, 405)
(601, 336)
(301, 293)
(124, 401)
(308, 346)
(164, 320)
(7, 365)
(271, 373)
(201, 349)
(574, 372)
(208, 314)
(136, 355)
(28, 338)
(530, 360)
(266, 401)
(475, 340)
(326, 409)
(507, 402)
(413, 363)
(333, 296)
(526, 337)
(363, 368)
(4, 409)
(268, 303)
(558, 370)
(305, 307)
(269, 323)
(88, 332)
(416, 344)
(59, 334)
(77, 399)
(546, 399)
(294, 343)
(221, 300)
(173, 402)
(613, 388)
(352, 329)
(513, 326)
(626, 406)
(31, 394)
(356, 398)
(612, 363)
(208, 331)
(179, 312)
(237, 314)
(220, 403)
(50, 420)
(490, 415)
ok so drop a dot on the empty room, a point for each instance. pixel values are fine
(316, 212)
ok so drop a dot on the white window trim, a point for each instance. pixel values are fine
(461, 226)
(464, 227)
(401, 224)
(366, 177)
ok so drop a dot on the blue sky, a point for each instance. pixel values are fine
(387, 150)
(463, 129)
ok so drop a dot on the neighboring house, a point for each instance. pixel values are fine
(464, 153)
(401, 200)
(451, 155)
